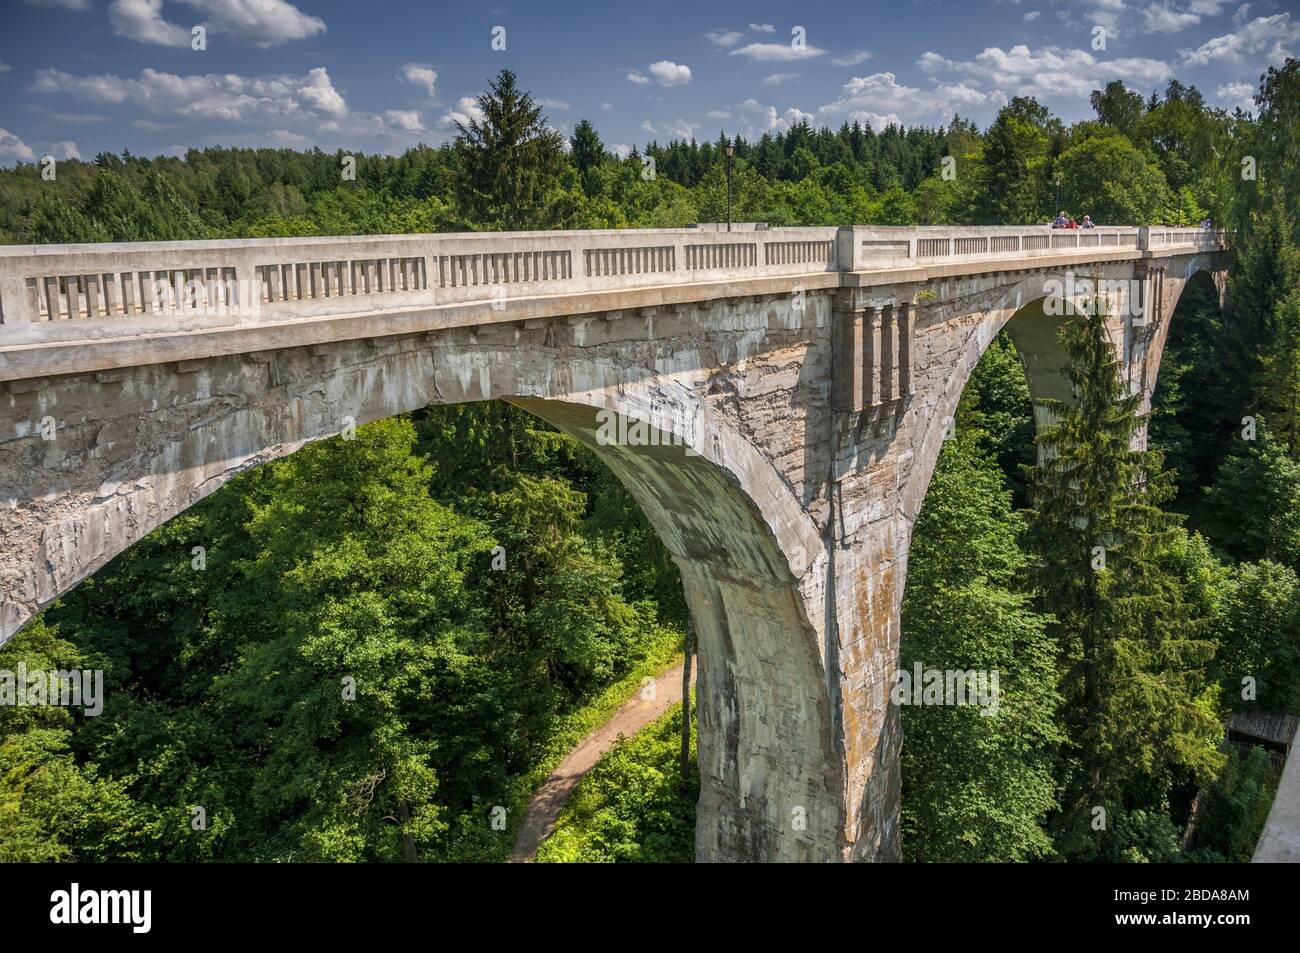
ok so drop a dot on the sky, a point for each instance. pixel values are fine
(79, 77)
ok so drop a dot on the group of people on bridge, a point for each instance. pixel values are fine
(1064, 221)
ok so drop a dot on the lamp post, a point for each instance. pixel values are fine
(1058, 195)
(731, 151)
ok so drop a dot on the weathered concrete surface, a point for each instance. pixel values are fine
(813, 416)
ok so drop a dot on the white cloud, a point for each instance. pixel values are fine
(558, 104)
(287, 137)
(1160, 18)
(11, 147)
(408, 120)
(665, 73)
(466, 108)
(61, 4)
(649, 127)
(932, 62)
(208, 95)
(681, 129)
(621, 149)
(421, 74)
(1237, 95)
(259, 22)
(152, 125)
(762, 28)
(262, 23)
(65, 149)
(724, 38)
(1032, 15)
(1240, 17)
(1051, 71)
(4, 67)
(767, 119)
(1208, 8)
(851, 59)
(1270, 37)
(718, 114)
(777, 52)
(776, 79)
(668, 73)
(319, 93)
(141, 20)
(607, 106)
(879, 99)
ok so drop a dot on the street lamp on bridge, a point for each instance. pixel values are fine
(731, 151)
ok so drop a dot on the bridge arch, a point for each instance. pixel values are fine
(134, 448)
(1025, 309)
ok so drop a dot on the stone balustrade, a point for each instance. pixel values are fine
(50, 293)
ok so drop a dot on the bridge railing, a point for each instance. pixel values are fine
(872, 248)
(140, 287)
(73, 292)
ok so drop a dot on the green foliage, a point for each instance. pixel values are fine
(1106, 177)
(1253, 506)
(978, 784)
(1233, 810)
(1265, 271)
(1118, 106)
(1194, 416)
(53, 808)
(996, 403)
(1256, 621)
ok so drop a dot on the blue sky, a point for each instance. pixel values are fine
(82, 76)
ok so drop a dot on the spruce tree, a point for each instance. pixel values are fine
(510, 159)
(1137, 711)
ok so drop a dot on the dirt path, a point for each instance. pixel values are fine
(628, 719)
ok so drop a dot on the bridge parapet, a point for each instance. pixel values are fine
(286, 278)
(69, 292)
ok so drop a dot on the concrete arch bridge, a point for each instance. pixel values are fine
(798, 383)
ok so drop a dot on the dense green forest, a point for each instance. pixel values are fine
(393, 637)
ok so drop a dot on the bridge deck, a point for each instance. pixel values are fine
(55, 300)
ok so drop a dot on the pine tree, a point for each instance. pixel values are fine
(588, 150)
(510, 159)
(1132, 653)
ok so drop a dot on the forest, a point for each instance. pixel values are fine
(371, 559)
